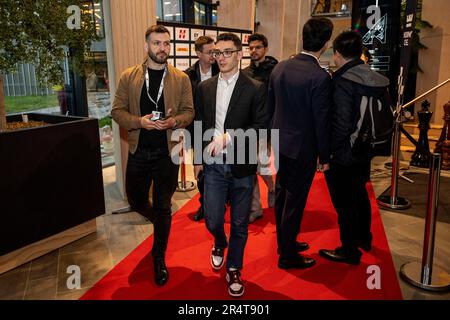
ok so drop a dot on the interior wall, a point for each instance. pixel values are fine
(236, 14)
(435, 61)
(282, 23)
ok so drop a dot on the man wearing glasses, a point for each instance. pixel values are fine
(151, 100)
(205, 68)
(228, 101)
(260, 69)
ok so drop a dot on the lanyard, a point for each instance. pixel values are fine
(161, 87)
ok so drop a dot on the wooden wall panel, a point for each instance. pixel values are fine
(129, 21)
(236, 14)
(435, 60)
(271, 16)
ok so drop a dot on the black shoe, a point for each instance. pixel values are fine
(338, 255)
(199, 215)
(366, 246)
(299, 262)
(299, 246)
(161, 272)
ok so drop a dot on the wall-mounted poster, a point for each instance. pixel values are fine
(170, 31)
(182, 49)
(182, 64)
(245, 37)
(193, 49)
(171, 62)
(182, 42)
(246, 51)
(195, 33)
(182, 34)
(212, 34)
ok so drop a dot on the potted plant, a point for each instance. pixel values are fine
(50, 176)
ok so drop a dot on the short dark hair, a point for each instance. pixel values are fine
(228, 36)
(201, 41)
(157, 28)
(316, 33)
(366, 52)
(348, 44)
(259, 37)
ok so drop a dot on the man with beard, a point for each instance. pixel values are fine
(260, 69)
(151, 100)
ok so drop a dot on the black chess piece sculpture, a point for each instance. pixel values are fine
(443, 145)
(421, 157)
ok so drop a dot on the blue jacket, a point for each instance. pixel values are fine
(300, 97)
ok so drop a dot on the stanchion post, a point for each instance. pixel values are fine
(420, 274)
(183, 185)
(430, 222)
(392, 201)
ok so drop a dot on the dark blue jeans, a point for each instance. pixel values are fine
(146, 167)
(219, 183)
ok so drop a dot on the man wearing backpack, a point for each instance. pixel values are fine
(357, 89)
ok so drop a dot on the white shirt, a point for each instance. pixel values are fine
(309, 54)
(223, 96)
(205, 76)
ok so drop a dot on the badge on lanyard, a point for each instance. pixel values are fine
(161, 88)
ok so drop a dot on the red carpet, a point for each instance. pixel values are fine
(192, 278)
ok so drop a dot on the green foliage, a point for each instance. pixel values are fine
(29, 103)
(35, 31)
(105, 121)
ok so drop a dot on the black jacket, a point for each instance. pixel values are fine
(262, 71)
(245, 111)
(350, 82)
(300, 95)
(194, 75)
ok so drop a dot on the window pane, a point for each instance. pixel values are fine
(200, 13)
(172, 10)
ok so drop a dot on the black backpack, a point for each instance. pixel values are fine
(375, 125)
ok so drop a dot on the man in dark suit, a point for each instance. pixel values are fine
(228, 102)
(300, 95)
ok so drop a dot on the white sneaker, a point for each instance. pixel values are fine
(217, 259)
(235, 284)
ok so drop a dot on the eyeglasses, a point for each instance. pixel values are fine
(209, 53)
(226, 54)
(255, 48)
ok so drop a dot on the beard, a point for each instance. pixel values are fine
(155, 58)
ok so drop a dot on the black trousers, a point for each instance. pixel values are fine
(201, 188)
(294, 179)
(145, 167)
(347, 186)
